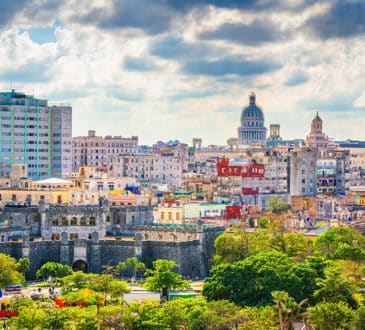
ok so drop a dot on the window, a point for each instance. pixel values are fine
(92, 221)
(74, 236)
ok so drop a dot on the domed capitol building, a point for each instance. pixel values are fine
(252, 129)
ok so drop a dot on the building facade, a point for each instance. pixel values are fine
(93, 150)
(35, 134)
(303, 172)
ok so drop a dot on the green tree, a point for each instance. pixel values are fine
(331, 316)
(57, 318)
(222, 314)
(288, 309)
(53, 269)
(263, 318)
(9, 273)
(136, 265)
(276, 205)
(251, 281)
(335, 288)
(341, 243)
(23, 265)
(77, 280)
(30, 318)
(263, 222)
(106, 284)
(231, 247)
(114, 317)
(360, 318)
(236, 245)
(184, 314)
(121, 267)
(162, 276)
(145, 315)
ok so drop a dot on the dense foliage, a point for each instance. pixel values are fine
(263, 280)
(162, 276)
(251, 281)
(9, 273)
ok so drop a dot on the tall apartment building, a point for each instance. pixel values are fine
(93, 150)
(35, 134)
(302, 172)
(333, 172)
(61, 140)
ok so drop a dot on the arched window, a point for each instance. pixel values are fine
(64, 221)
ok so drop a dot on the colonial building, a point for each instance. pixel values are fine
(316, 138)
(252, 129)
(93, 150)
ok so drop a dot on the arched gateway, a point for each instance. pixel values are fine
(80, 265)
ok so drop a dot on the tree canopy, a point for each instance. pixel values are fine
(9, 273)
(53, 269)
(251, 281)
(277, 205)
(341, 243)
(238, 244)
(162, 276)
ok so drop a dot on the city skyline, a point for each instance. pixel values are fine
(188, 67)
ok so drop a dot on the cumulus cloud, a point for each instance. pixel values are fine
(129, 67)
(297, 78)
(253, 34)
(229, 65)
(344, 19)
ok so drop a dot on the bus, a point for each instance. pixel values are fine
(181, 295)
(9, 289)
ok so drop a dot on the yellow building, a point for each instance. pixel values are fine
(168, 213)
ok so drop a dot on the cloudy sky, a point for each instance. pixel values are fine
(166, 69)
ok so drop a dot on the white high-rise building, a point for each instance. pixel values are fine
(35, 134)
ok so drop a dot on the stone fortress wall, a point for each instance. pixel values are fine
(88, 238)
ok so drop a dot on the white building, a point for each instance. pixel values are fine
(35, 134)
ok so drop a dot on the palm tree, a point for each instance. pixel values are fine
(288, 309)
(121, 267)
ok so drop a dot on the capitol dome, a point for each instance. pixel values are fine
(252, 129)
(252, 111)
